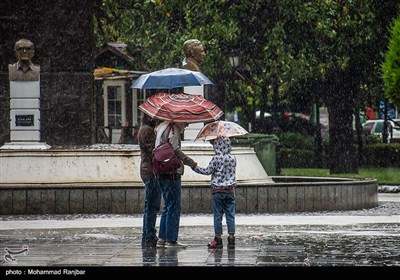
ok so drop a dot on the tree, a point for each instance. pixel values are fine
(327, 49)
(348, 40)
(391, 65)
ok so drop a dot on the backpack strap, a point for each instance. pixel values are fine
(168, 129)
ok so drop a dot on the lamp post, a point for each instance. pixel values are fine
(234, 59)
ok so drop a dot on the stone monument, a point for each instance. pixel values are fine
(24, 77)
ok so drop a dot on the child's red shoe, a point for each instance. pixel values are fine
(216, 243)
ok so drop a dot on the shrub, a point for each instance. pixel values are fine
(296, 140)
(296, 158)
(381, 155)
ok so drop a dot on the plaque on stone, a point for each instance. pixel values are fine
(24, 120)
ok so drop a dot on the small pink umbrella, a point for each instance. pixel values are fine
(220, 128)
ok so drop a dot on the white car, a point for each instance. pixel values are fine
(376, 127)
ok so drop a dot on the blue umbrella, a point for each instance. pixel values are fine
(171, 78)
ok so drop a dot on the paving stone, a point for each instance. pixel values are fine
(360, 244)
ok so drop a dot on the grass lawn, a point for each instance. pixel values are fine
(385, 176)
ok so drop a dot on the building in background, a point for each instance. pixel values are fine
(117, 117)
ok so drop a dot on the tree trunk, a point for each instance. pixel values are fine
(343, 157)
(317, 136)
(359, 133)
(385, 134)
(275, 100)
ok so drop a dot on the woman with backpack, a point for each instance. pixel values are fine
(170, 185)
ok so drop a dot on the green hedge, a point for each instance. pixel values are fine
(381, 155)
(373, 155)
(297, 152)
(296, 158)
(295, 140)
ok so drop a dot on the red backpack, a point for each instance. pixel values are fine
(164, 157)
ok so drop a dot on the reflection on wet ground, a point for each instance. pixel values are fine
(367, 237)
(329, 245)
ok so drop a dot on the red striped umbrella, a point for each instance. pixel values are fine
(181, 107)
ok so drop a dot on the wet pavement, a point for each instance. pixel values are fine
(363, 238)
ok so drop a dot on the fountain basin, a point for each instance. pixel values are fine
(106, 179)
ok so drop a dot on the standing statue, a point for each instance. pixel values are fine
(194, 54)
(24, 69)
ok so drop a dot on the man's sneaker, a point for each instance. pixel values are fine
(160, 243)
(216, 243)
(150, 242)
(174, 244)
(231, 242)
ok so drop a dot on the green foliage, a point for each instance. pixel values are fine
(383, 175)
(391, 65)
(382, 155)
(373, 155)
(296, 140)
(296, 158)
(373, 139)
(304, 48)
(297, 150)
(290, 41)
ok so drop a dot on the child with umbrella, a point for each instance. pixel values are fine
(222, 169)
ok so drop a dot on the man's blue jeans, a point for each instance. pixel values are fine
(171, 213)
(152, 200)
(224, 202)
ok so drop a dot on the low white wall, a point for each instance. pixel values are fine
(111, 164)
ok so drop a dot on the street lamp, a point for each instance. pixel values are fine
(234, 59)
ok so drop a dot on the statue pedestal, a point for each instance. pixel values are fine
(193, 129)
(25, 116)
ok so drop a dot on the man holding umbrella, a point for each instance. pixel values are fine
(152, 193)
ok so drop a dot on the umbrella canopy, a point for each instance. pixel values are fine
(171, 78)
(181, 107)
(220, 128)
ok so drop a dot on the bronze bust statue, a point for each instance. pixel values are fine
(194, 54)
(24, 69)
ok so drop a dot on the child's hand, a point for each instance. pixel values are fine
(193, 165)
